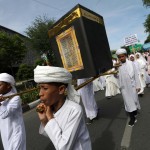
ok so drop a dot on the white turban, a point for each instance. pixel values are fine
(121, 51)
(48, 74)
(5, 77)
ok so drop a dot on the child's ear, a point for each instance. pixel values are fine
(62, 89)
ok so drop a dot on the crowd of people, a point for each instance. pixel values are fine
(62, 118)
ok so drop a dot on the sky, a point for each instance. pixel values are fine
(122, 18)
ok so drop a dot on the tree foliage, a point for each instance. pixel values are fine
(147, 28)
(12, 50)
(25, 72)
(148, 39)
(38, 34)
(147, 21)
(147, 24)
(146, 3)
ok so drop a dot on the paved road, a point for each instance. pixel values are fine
(108, 132)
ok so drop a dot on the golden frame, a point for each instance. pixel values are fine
(69, 50)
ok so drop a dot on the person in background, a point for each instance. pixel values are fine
(97, 85)
(12, 128)
(112, 86)
(143, 66)
(148, 62)
(62, 117)
(129, 85)
(88, 100)
(137, 66)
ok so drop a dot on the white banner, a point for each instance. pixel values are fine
(131, 40)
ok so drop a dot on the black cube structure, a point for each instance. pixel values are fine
(80, 43)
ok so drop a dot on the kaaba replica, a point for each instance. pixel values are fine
(80, 43)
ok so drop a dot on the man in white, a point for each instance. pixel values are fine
(129, 85)
(11, 120)
(62, 117)
(88, 100)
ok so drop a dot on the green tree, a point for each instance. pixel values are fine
(38, 34)
(147, 21)
(25, 72)
(12, 50)
(146, 3)
(113, 52)
(148, 39)
(147, 28)
(147, 24)
(40, 62)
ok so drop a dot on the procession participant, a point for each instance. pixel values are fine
(11, 119)
(142, 64)
(146, 60)
(148, 63)
(97, 85)
(102, 81)
(129, 85)
(88, 100)
(137, 66)
(62, 119)
(132, 58)
(112, 86)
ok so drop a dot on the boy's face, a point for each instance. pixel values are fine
(122, 58)
(4, 87)
(50, 93)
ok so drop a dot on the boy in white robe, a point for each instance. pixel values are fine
(129, 85)
(11, 119)
(62, 118)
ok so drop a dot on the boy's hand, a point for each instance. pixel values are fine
(49, 113)
(42, 115)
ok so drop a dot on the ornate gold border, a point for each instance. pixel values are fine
(77, 13)
(71, 52)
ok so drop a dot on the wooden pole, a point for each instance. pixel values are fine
(92, 79)
(77, 88)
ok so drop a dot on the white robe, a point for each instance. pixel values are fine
(11, 124)
(88, 99)
(141, 78)
(112, 86)
(129, 82)
(147, 78)
(142, 66)
(67, 130)
(97, 85)
(102, 81)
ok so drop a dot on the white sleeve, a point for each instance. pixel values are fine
(9, 107)
(42, 131)
(64, 139)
